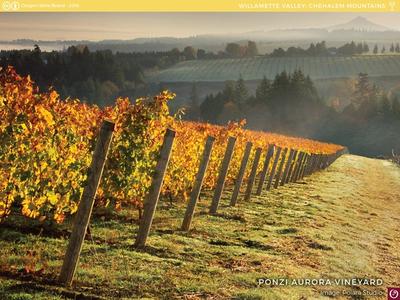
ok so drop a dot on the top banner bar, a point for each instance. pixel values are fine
(200, 6)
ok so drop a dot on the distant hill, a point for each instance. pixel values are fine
(359, 24)
(256, 68)
(358, 29)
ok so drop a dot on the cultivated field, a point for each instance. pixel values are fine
(256, 68)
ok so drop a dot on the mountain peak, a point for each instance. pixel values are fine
(359, 24)
(360, 19)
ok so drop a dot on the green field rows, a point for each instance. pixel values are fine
(256, 68)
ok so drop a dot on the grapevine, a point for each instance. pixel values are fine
(46, 146)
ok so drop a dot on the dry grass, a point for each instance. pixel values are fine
(343, 222)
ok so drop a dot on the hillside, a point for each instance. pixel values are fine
(256, 68)
(359, 24)
(338, 223)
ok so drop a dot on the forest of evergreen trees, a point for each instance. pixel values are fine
(236, 50)
(290, 104)
(97, 77)
(290, 96)
(320, 49)
(101, 76)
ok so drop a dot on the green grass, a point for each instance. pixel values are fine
(257, 67)
(317, 229)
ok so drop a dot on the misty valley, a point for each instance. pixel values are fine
(327, 90)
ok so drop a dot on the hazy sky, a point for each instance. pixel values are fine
(98, 26)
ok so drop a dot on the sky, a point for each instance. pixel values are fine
(99, 26)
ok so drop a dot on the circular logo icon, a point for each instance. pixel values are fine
(6, 5)
(393, 294)
(15, 5)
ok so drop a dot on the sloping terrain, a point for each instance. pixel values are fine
(342, 222)
(258, 67)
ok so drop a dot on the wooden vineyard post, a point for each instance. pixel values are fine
(323, 161)
(292, 166)
(222, 175)
(242, 170)
(320, 159)
(304, 166)
(296, 173)
(268, 157)
(253, 174)
(287, 167)
(85, 208)
(326, 161)
(151, 200)
(331, 159)
(280, 168)
(273, 170)
(313, 164)
(336, 156)
(194, 196)
(317, 165)
(310, 157)
(296, 167)
(310, 164)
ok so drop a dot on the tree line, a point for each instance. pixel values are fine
(393, 49)
(237, 50)
(369, 101)
(320, 49)
(97, 77)
(101, 76)
(290, 104)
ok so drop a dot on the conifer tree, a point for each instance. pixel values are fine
(375, 51)
(396, 106)
(263, 91)
(194, 97)
(241, 92)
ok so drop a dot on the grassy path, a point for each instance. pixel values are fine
(343, 222)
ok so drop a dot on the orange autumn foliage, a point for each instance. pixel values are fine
(46, 147)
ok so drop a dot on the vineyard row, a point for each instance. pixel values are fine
(47, 145)
(281, 166)
(257, 67)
